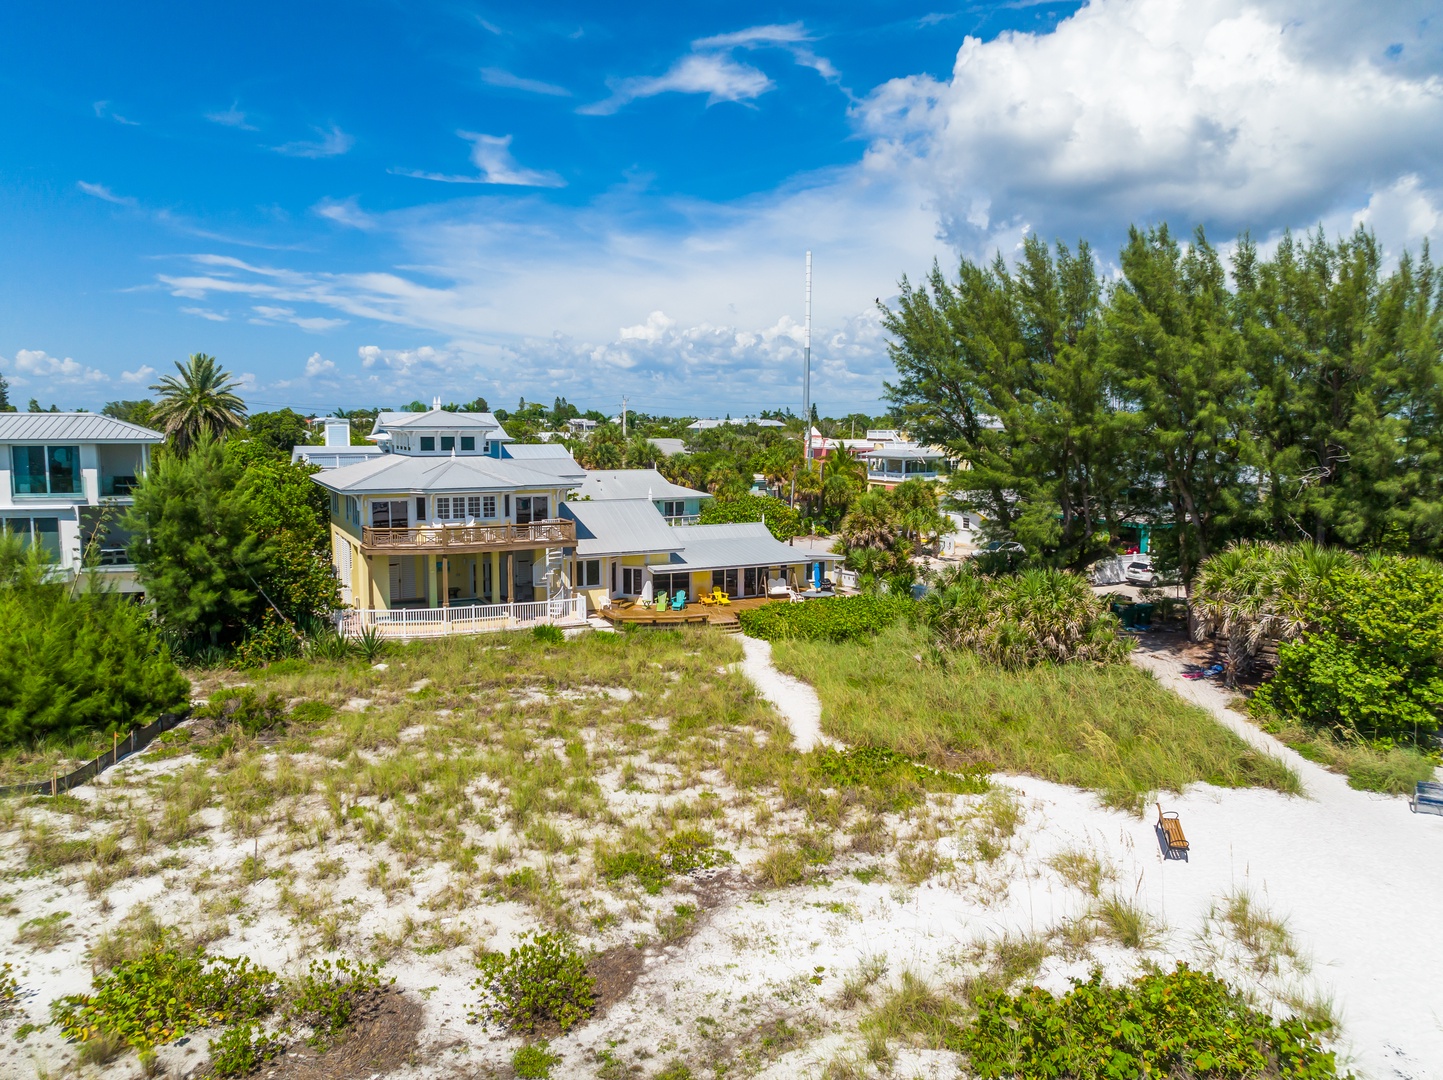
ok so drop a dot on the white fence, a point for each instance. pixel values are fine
(473, 619)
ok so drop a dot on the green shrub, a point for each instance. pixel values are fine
(1024, 619)
(895, 775)
(325, 998)
(242, 1049)
(534, 1062)
(158, 997)
(370, 644)
(245, 709)
(9, 991)
(75, 662)
(541, 982)
(680, 853)
(840, 618)
(782, 521)
(1370, 665)
(549, 635)
(272, 640)
(1184, 1023)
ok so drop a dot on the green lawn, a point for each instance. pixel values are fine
(1112, 729)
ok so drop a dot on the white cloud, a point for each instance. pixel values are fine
(717, 76)
(205, 313)
(36, 364)
(100, 191)
(491, 154)
(332, 143)
(506, 80)
(142, 374)
(103, 111)
(345, 212)
(1216, 111)
(232, 117)
(266, 315)
(710, 69)
(318, 365)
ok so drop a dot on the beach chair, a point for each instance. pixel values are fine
(1427, 798)
(719, 597)
(1171, 829)
(679, 604)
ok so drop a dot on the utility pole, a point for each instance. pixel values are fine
(623, 415)
(807, 371)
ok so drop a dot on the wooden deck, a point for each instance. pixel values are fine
(723, 616)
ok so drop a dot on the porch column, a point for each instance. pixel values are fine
(510, 579)
(445, 581)
(495, 594)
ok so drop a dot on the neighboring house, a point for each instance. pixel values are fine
(337, 450)
(623, 545)
(679, 505)
(669, 447)
(66, 480)
(450, 514)
(737, 421)
(892, 463)
(965, 535)
(579, 425)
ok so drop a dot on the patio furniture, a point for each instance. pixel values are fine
(708, 599)
(777, 587)
(1427, 798)
(719, 597)
(679, 604)
(1171, 829)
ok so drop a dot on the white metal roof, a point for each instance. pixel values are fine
(423, 474)
(634, 484)
(906, 451)
(442, 419)
(619, 527)
(717, 547)
(72, 427)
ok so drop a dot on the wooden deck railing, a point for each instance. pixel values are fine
(558, 531)
(471, 619)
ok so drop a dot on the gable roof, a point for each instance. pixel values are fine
(72, 427)
(441, 418)
(619, 527)
(634, 484)
(466, 472)
(529, 451)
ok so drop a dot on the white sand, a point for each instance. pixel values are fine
(795, 700)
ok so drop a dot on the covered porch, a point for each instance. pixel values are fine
(419, 622)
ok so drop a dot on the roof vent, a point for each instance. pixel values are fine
(436, 404)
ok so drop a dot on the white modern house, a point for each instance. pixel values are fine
(66, 481)
(892, 463)
(336, 449)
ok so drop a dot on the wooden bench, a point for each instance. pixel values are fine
(1171, 829)
(1427, 798)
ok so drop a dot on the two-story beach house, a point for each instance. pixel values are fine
(893, 459)
(449, 514)
(66, 481)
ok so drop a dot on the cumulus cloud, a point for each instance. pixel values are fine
(331, 142)
(506, 80)
(31, 365)
(316, 365)
(491, 154)
(100, 191)
(142, 374)
(1215, 111)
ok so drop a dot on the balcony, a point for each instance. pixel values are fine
(468, 538)
(684, 519)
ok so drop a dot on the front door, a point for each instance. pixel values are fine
(521, 587)
(390, 513)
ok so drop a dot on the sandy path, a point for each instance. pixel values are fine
(795, 700)
(1359, 877)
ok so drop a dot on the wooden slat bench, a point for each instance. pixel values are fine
(1427, 798)
(1171, 829)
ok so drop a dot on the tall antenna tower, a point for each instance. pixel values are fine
(807, 371)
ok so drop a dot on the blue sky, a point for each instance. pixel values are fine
(367, 203)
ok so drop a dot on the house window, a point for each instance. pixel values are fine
(420, 508)
(353, 509)
(588, 574)
(468, 442)
(488, 506)
(46, 470)
(335, 505)
(346, 564)
(673, 509)
(473, 506)
(428, 442)
(631, 580)
(966, 523)
(44, 531)
(443, 508)
(448, 442)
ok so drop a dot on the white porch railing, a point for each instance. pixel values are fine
(684, 519)
(473, 619)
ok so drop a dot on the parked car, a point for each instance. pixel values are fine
(1006, 547)
(1140, 572)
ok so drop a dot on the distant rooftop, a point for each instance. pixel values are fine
(72, 427)
(733, 421)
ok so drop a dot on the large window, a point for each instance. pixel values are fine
(46, 470)
(428, 442)
(44, 531)
(488, 506)
(632, 579)
(448, 442)
(588, 574)
(468, 442)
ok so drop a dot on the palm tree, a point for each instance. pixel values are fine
(871, 523)
(201, 400)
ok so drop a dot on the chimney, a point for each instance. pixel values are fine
(436, 404)
(338, 431)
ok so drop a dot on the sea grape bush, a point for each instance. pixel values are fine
(680, 853)
(542, 982)
(836, 619)
(903, 781)
(326, 997)
(1182, 1023)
